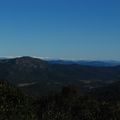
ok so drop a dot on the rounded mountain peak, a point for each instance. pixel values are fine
(30, 61)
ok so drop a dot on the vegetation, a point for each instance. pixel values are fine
(69, 104)
(13, 104)
(52, 77)
(27, 69)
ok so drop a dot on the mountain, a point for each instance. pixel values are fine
(84, 62)
(34, 75)
(34, 89)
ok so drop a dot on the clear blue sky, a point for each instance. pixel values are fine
(79, 29)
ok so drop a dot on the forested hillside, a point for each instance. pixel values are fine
(14, 105)
(34, 75)
(69, 104)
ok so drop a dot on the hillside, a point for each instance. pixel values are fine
(109, 92)
(39, 75)
(69, 104)
(14, 105)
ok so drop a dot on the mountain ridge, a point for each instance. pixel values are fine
(98, 63)
(49, 77)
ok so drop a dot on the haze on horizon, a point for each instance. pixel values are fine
(70, 29)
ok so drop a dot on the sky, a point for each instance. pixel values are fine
(69, 29)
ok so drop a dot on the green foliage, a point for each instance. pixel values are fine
(76, 107)
(13, 104)
(70, 104)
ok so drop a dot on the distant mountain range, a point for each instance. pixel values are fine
(85, 62)
(98, 63)
(33, 74)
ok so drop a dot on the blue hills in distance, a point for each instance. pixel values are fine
(97, 63)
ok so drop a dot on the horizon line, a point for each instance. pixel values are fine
(51, 58)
